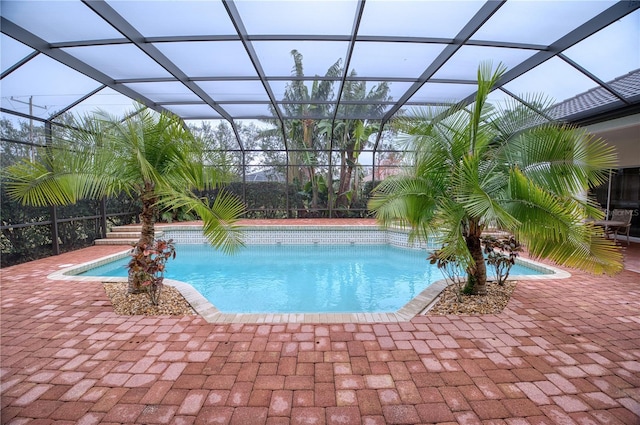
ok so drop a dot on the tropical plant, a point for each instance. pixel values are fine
(149, 156)
(450, 268)
(311, 136)
(321, 191)
(307, 106)
(351, 135)
(501, 254)
(509, 168)
(148, 264)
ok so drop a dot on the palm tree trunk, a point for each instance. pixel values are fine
(147, 234)
(148, 215)
(315, 196)
(294, 168)
(346, 171)
(477, 274)
(308, 143)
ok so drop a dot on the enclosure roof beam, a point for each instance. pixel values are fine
(35, 42)
(234, 15)
(106, 12)
(486, 11)
(604, 19)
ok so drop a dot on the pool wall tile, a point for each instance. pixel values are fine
(306, 235)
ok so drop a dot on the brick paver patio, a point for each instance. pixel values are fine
(562, 352)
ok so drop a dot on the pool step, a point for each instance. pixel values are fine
(124, 235)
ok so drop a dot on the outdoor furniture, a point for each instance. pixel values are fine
(620, 223)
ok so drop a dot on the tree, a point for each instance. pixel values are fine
(351, 135)
(149, 156)
(310, 134)
(307, 107)
(508, 168)
(220, 145)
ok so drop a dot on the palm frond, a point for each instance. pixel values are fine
(64, 174)
(34, 184)
(403, 200)
(583, 248)
(220, 222)
(219, 218)
(450, 221)
(553, 227)
(481, 196)
(487, 78)
(562, 159)
(513, 117)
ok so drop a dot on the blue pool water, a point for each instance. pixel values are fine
(301, 279)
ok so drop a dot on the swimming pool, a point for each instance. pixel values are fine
(302, 278)
(285, 233)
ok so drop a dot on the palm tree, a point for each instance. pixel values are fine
(511, 169)
(352, 134)
(307, 107)
(151, 157)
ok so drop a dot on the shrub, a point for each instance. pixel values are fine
(148, 264)
(501, 253)
(450, 268)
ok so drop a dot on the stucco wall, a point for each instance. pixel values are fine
(624, 133)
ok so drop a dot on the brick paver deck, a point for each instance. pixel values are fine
(562, 352)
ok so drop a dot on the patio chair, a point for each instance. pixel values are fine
(623, 216)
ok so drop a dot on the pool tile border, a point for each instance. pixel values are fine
(420, 304)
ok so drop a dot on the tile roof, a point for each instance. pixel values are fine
(627, 85)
